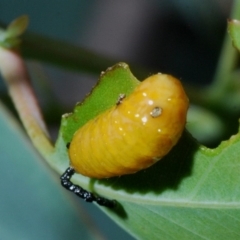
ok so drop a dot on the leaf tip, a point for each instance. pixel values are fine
(9, 38)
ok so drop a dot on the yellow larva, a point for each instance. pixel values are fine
(135, 133)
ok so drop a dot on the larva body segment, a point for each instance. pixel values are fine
(134, 134)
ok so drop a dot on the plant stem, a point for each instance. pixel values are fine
(16, 77)
(63, 54)
(227, 60)
(69, 56)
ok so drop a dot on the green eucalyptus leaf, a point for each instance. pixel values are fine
(9, 38)
(234, 31)
(10, 42)
(114, 81)
(32, 204)
(192, 193)
(17, 27)
(2, 35)
(203, 124)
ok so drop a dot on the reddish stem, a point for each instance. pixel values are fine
(15, 74)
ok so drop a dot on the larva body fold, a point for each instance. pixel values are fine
(135, 133)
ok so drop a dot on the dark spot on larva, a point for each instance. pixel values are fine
(156, 112)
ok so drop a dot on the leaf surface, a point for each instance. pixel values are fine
(193, 193)
(32, 203)
(234, 31)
